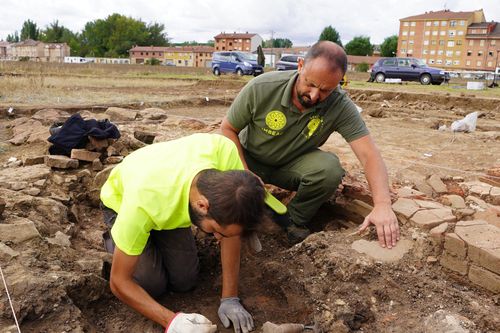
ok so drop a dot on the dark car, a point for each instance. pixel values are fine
(407, 69)
(288, 62)
(240, 63)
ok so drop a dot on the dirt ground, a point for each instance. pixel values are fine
(321, 280)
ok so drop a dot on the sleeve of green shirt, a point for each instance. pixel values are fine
(351, 126)
(241, 111)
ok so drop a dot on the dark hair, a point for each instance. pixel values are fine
(234, 197)
(330, 51)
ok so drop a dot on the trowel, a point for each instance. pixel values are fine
(274, 203)
(269, 327)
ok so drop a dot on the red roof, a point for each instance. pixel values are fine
(441, 14)
(234, 35)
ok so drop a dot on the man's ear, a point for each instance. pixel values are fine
(202, 204)
(300, 64)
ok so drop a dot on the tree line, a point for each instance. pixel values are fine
(115, 35)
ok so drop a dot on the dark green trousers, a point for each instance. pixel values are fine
(315, 176)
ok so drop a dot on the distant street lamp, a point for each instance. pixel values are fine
(494, 83)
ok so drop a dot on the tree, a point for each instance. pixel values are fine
(389, 46)
(359, 45)
(14, 38)
(329, 33)
(115, 35)
(278, 43)
(362, 67)
(30, 30)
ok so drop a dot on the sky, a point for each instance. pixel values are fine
(301, 21)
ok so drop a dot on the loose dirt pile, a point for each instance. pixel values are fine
(56, 268)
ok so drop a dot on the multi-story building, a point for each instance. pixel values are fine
(185, 56)
(33, 50)
(452, 40)
(247, 42)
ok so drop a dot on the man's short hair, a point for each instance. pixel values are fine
(335, 56)
(234, 197)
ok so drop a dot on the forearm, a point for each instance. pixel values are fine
(129, 292)
(376, 175)
(231, 133)
(230, 259)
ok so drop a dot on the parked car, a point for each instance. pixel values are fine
(407, 69)
(241, 63)
(288, 62)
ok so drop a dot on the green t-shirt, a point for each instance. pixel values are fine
(149, 189)
(275, 132)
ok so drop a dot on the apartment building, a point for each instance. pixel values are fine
(247, 42)
(452, 40)
(33, 50)
(182, 56)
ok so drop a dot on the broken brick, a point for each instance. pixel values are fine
(484, 278)
(455, 245)
(84, 155)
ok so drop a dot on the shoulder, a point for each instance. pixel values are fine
(274, 78)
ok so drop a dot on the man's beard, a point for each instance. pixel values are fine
(195, 216)
(305, 103)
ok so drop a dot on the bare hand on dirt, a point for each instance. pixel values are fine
(386, 223)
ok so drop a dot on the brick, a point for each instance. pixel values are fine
(408, 192)
(454, 245)
(405, 207)
(445, 214)
(84, 155)
(454, 263)
(476, 202)
(120, 114)
(114, 159)
(487, 258)
(484, 278)
(437, 184)
(429, 204)
(18, 232)
(439, 230)
(61, 162)
(495, 195)
(481, 190)
(97, 165)
(453, 200)
(34, 160)
(426, 219)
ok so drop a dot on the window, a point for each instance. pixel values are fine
(433, 42)
(448, 62)
(493, 42)
(412, 33)
(410, 53)
(453, 23)
(413, 24)
(435, 33)
(179, 61)
(462, 23)
(390, 62)
(490, 53)
(451, 43)
(457, 53)
(479, 53)
(479, 64)
(442, 33)
(410, 42)
(449, 53)
(427, 33)
(426, 42)
(441, 42)
(403, 63)
(471, 42)
(473, 31)
(433, 52)
(456, 62)
(403, 41)
(403, 51)
(467, 62)
(452, 33)
(490, 63)
(425, 51)
(484, 31)
(469, 53)
(443, 23)
(435, 23)
(428, 23)
(459, 42)
(431, 61)
(406, 24)
(439, 61)
(424, 61)
(404, 33)
(440, 52)
(460, 33)
(481, 42)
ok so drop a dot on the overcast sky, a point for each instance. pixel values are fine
(299, 20)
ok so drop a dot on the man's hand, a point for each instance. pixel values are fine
(231, 310)
(386, 224)
(190, 323)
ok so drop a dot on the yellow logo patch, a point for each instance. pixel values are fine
(312, 126)
(275, 120)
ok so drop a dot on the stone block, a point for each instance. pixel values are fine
(405, 207)
(114, 159)
(455, 246)
(424, 187)
(454, 263)
(6, 253)
(445, 214)
(490, 215)
(97, 165)
(84, 155)
(101, 177)
(18, 232)
(481, 190)
(453, 200)
(485, 278)
(60, 239)
(375, 251)
(476, 202)
(408, 192)
(34, 160)
(120, 114)
(495, 196)
(439, 230)
(61, 162)
(429, 204)
(437, 184)
(487, 258)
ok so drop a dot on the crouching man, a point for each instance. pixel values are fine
(152, 197)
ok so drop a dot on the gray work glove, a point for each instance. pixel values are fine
(231, 310)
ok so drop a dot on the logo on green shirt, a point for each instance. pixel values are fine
(312, 126)
(275, 120)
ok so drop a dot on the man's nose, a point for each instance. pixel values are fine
(314, 95)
